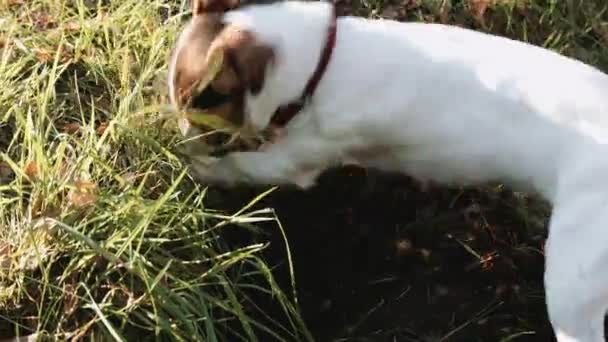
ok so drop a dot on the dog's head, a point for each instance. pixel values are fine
(205, 42)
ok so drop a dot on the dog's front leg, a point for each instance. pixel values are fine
(292, 162)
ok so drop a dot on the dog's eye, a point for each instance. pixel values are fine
(209, 98)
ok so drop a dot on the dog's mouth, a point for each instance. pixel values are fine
(210, 98)
(219, 118)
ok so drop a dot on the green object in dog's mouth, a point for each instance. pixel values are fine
(204, 118)
(212, 122)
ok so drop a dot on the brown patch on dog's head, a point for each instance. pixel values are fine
(201, 7)
(244, 62)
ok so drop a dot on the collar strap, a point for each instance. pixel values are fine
(285, 113)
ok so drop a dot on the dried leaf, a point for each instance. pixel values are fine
(70, 128)
(478, 8)
(5, 257)
(31, 170)
(80, 199)
(72, 26)
(43, 21)
(83, 195)
(102, 127)
(43, 56)
(86, 185)
(70, 302)
(601, 29)
(66, 54)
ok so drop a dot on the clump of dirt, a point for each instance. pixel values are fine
(384, 261)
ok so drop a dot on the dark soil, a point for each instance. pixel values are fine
(376, 259)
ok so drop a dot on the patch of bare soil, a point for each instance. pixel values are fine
(378, 260)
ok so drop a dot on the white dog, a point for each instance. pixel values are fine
(436, 102)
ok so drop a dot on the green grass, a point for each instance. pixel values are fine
(102, 231)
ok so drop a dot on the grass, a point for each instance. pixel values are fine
(103, 234)
(102, 231)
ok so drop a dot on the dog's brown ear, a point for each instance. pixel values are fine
(210, 6)
(245, 61)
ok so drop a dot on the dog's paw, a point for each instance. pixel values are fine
(203, 161)
(305, 180)
(211, 170)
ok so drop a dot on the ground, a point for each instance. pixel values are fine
(398, 264)
(104, 235)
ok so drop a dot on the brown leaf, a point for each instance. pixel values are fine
(80, 199)
(72, 26)
(66, 54)
(101, 128)
(70, 128)
(70, 302)
(478, 8)
(86, 185)
(31, 170)
(46, 56)
(43, 56)
(5, 257)
(83, 195)
(601, 29)
(43, 21)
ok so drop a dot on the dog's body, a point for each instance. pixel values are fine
(445, 104)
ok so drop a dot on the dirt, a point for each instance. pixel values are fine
(377, 259)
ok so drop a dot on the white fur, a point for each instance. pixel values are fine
(451, 105)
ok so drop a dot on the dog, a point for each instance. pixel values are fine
(436, 102)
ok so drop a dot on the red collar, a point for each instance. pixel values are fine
(285, 113)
